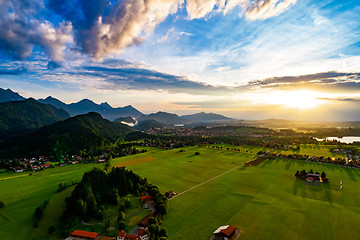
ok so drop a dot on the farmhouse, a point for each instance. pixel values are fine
(313, 178)
(169, 194)
(146, 198)
(144, 223)
(224, 232)
(141, 235)
(79, 234)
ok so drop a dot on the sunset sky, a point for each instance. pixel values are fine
(291, 59)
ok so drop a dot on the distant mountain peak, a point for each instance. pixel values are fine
(105, 105)
(8, 95)
(205, 117)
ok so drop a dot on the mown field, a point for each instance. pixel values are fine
(265, 202)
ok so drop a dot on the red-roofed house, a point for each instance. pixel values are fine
(141, 235)
(169, 194)
(121, 235)
(84, 234)
(132, 237)
(224, 232)
(146, 198)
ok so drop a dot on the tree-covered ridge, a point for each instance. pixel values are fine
(88, 131)
(19, 117)
(99, 188)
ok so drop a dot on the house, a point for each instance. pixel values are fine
(224, 232)
(79, 234)
(141, 235)
(47, 165)
(121, 235)
(146, 198)
(169, 194)
(17, 169)
(132, 237)
(313, 177)
(144, 223)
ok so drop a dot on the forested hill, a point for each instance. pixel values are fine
(87, 131)
(19, 117)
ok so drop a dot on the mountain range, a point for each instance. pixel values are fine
(19, 117)
(125, 114)
(86, 106)
(8, 96)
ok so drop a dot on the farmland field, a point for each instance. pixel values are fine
(264, 201)
(23, 194)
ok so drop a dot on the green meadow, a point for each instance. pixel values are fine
(22, 193)
(264, 201)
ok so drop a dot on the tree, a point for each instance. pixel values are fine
(2, 204)
(163, 232)
(121, 216)
(153, 220)
(162, 209)
(121, 225)
(38, 213)
(323, 175)
(127, 203)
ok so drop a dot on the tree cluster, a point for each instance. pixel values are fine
(303, 175)
(156, 231)
(39, 212)
(99, 187)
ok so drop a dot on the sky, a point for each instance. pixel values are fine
(289, 59)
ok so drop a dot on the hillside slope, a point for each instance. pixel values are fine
(19, 117)
(87, 131)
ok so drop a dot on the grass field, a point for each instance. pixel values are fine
(22, 193)
(313, 150)
(264, 201)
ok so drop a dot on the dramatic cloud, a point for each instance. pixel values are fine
(103, 27)
(338, 79)
(21, 30)
(148, 80)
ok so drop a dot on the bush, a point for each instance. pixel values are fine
(51, 228)
(127, 203)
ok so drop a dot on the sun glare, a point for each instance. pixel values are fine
(300, 99)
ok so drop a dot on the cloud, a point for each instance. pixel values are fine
(165, 37)
(21, 31)
(263, 9)
(148, 80)
(103, 27)
(341, 99)
(336, 79)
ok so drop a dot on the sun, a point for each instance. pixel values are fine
(300, 99)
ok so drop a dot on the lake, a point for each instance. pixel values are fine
(347, 139)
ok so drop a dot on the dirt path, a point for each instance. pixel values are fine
(204, 182)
